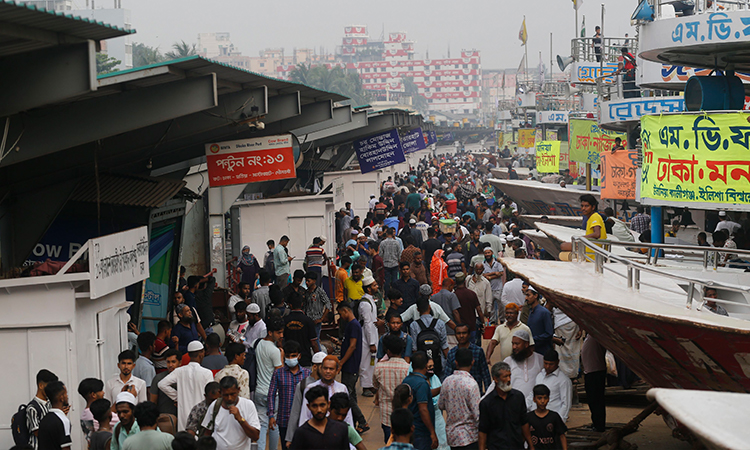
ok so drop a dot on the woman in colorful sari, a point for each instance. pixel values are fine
(438, 271)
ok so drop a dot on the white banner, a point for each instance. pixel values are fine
(118, 260)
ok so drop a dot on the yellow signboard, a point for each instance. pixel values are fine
(526, 138)
(696, 158)
(587, 140)
(548, 156)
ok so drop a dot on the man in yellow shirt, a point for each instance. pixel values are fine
(594, 222)
(353, 284)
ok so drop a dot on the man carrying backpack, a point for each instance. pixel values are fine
(429, 335)
(25, 422)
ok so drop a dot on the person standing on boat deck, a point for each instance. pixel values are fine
(540, 322)
(594, 223)
(595, 380)
(597, 43)
(726, 224)
(641, 222)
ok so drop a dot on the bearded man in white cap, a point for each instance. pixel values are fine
(124, 407)
(190, 380)
(525, 364)
(368, 316)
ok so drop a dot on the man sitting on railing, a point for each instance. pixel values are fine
(594, 223)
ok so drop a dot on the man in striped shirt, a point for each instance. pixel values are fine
(283, 382)
(390, 251)
(388, 375)
(315, 257)
(317, 303)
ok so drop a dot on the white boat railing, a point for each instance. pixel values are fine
(584, 249)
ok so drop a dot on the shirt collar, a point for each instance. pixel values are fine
(555, 373)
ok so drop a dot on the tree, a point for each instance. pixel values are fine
(143, 55)
(301, 74)
(106, 63)
(332, 80)
(181, 50)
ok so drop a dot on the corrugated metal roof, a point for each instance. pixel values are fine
(129, 190)
(235, 76)
(26, 28)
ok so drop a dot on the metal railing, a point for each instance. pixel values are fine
(584, 248)
(667, 9)
(582, 49)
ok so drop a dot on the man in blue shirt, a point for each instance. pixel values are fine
(185, 329)
(407, 286)
(540, 322)
(421, 405)
(394, 324)
(351, 356)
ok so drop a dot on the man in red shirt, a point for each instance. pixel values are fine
(470, 309)
(628, 74)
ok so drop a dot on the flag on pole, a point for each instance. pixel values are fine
(503, 86)
(522, 66)
(577, 4)
(522, 35)
(583, 27)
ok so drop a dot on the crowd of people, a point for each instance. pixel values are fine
(411, 292)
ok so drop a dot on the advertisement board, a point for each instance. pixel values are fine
(526, 137)
(379, 151)
(250, 160)
(413, 141)
(618, 174)
(587, 140)
(548, 156)
(696, 159)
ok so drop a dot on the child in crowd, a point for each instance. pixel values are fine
(547, 427)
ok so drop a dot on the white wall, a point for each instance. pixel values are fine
(300, 218)
(44, 326)
(357, 187)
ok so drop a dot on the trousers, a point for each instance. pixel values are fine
(350, 381)
(595, 384)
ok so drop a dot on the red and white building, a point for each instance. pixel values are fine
(449, 85)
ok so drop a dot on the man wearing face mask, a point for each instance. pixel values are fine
(299, 392)
(283, 382)
(502, 414)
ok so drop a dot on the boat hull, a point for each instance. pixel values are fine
(543, 199)
(669, 353)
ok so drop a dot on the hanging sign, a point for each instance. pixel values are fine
(413, 141)
(379, 151)
(548, 156)
(250, 160)
(587, 140)
(618, 174)
(526, 138)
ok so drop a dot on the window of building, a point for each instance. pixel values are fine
(437, 66)
(437, 89)
(262, 64)
(466, 66)
(437, 78)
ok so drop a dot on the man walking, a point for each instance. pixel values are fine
(144, 367)
(540, 322)
(317, 303)
(233, 422)
(281, 260)
(351, 358)
(320, 432)
(117, 384)
(39, 406)
(300, 328)
(368, 316)
(149, 436)
(595, 379)
(470, 311)
(388, 375)
(479, 369)
(504, 333)
(480, 285)
(407, 286)
(560, 386)
(525, 364)
(268, 358)
(236, 356)
(187, 383)
(421, 406)
(390, 251)
(283, 383)
(459, 398)
(502, 414)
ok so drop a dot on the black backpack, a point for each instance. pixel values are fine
(18, 425)
(428, 341)
(251, 365)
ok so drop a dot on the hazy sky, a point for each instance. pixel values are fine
(486, 25)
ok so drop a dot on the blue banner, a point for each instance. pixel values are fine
(430, 137)
(379, 151)
(413, 141)
(446, 137)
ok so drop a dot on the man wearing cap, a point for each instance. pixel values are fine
(525, 364)
(125, 408)
(412, 312)
(368, 317)
(504, 333)
(390, 251)
(560, 386)
(190, 380)
(299, 392)
(416, 234)
(726, 224)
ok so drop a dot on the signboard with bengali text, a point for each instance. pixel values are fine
(587, 140)
(379, 151)
(250, 160)
(413, 141)
(548, 156)
(118, 260)
(697, 159)
(618, 174)
(526, 137)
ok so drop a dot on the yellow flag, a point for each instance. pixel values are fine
(522, 35)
